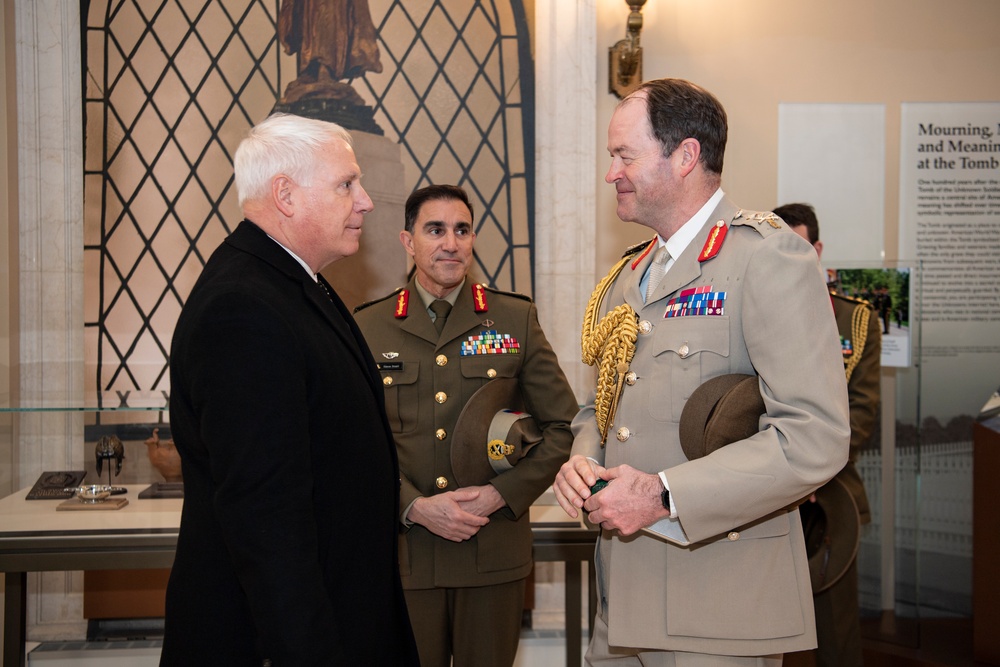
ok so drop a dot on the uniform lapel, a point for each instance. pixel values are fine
(631, 287)
(686, 268)
(417, 321)
(463, 316)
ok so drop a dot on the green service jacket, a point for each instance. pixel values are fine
(427, 382)
(862, 349)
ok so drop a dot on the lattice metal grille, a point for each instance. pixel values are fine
(172, 85)
(457, 91)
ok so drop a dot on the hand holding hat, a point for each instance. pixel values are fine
(832, 527)
(492, 433)
(728, 408)
(721, 411)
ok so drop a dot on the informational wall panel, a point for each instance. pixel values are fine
(949, 207)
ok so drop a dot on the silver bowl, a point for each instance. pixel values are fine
(92, 493)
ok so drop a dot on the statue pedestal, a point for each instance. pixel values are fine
(380, 265)
(348, 111)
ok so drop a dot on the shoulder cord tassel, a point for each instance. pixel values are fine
(610, 343)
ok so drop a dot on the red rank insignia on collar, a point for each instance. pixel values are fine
(402, 304)
(714, 242)
(635, 262)
(479, 298)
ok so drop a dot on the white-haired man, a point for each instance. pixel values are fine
(287, 552)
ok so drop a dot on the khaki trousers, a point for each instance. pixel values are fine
(600, 654)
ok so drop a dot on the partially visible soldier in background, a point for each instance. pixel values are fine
(838, 625)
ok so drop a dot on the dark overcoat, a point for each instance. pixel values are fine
(287, 548)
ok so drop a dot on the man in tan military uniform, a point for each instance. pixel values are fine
(837, 622)
(466, 548)
(701, 562)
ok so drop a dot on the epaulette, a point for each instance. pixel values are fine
(517, 295)
(390, 295)
(765, 222)
(633, 249)
(851, 299)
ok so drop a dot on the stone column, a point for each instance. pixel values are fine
(565, 220)
(50, 224)
(566, 99)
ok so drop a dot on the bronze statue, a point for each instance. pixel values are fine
(334, 40)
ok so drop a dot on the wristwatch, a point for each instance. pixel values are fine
(665, 499)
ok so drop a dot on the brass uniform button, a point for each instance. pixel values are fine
(630, 378)
(440, 397)
(441, 482)
(623, 434)
(491, 373)
(387, 380)
(441, 360)
(733, 536)
(683, 350)
(440, 434)
(645, 327)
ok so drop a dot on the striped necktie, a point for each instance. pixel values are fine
(656, 270)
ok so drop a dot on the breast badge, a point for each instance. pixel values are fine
(697, 301)
(490, 342)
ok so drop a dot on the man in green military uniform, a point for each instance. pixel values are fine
(837, 623)
(465, 550)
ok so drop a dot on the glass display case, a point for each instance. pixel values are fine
(44, 551)
(55, 432)
(915, 557)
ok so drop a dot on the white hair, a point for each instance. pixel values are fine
(281, 144)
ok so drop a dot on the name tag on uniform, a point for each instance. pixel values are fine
(390, 366)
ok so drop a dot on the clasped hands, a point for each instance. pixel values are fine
(457, 515)
(629, 503)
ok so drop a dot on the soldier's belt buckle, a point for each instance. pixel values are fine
(498, 449)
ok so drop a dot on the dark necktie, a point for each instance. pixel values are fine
(326, 290)
(441, 309)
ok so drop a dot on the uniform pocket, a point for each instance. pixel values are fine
(504, 545)
(685, 350)
(752, 570)
(490, 366)
(401, 404)
(479, 369)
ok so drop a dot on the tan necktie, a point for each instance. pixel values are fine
(656, 270)
(441, 309)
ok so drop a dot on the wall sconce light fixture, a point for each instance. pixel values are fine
(625, 57)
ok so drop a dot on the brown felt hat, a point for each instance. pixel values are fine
(492, 433)
(721, 411)
(832, 528)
